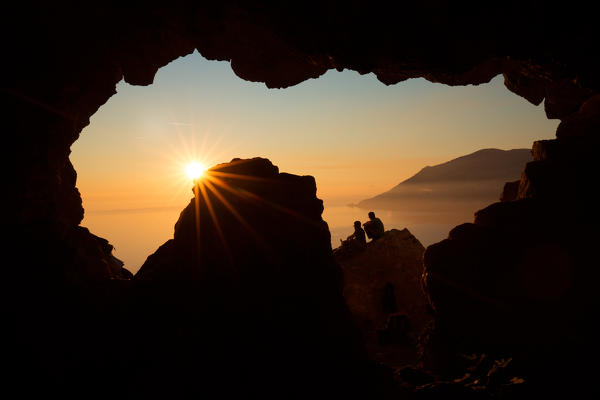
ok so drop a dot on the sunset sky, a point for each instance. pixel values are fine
(356, 136)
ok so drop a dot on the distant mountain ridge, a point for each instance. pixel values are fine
(476, 178)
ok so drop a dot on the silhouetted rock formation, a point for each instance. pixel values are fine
(382, 283)
(470, 181)
(260, 289)
(65, 59)
(520, 279)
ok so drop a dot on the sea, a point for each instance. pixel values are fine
(138, 233)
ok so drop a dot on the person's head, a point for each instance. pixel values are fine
(371, 215)
(357, 224)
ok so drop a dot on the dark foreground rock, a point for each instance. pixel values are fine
(244, 302)
(521, 280)
(382, 286)
(248, 298)
(481, 378)
(68, 325)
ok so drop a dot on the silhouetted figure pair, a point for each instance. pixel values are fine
(374, 227)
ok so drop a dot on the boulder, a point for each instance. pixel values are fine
(250, 275)
(382, 286)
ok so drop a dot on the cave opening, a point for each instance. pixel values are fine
(358, 137)
(68, 318)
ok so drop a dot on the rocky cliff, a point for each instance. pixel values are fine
(251, 264)
(520, 279)
(382, 286)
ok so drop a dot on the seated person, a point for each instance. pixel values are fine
(359, 234)
(374, 227)
(355, 241)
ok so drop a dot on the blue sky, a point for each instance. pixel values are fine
(339, 122)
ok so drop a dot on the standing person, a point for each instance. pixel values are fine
(374, 227)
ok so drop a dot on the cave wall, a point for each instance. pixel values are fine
(63, 61)
(521, 278)
(66, 59)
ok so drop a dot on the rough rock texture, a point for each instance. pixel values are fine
(525, 265)
(510, 191)
(521, 279)
(256, 269)
(248, 211)
(482, 378)
(382, 283)
(63, 60)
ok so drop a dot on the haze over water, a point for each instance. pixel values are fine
(356, 136)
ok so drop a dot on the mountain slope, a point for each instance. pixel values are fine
(471, 180)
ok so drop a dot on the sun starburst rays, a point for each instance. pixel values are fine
(192, 151)
(213, 189)
(253, 197)
(215, 220)
(234, 211)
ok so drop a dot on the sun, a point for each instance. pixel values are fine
(195, 170)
